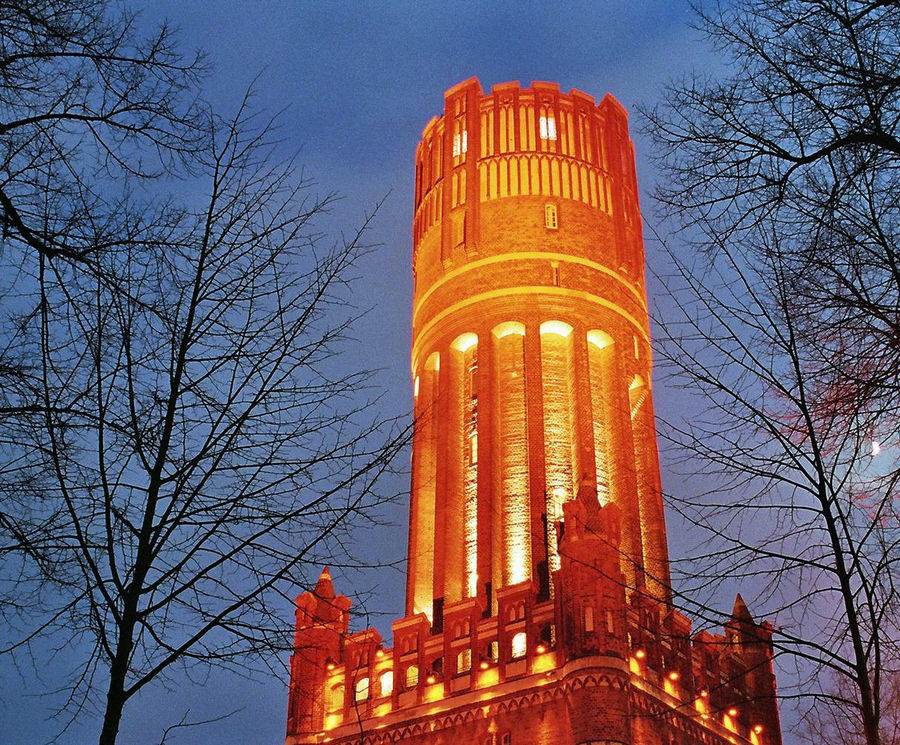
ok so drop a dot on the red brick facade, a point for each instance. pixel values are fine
(539, 606)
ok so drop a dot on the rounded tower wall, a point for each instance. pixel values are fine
(531, 346)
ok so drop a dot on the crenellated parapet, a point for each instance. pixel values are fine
(558, 150)
(638, 658)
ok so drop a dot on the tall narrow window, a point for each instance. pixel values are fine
(412, 676)
(362, 689)
(519, 645)
(464, 661)
(386, 682)
(551, 220)
(548, 128)
(460, 143)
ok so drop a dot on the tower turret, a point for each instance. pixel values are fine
(322, 620)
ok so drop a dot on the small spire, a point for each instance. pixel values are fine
(740, 612)
(324, 587)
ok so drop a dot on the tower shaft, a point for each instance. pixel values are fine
(531, 347)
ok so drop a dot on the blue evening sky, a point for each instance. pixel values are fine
(358, 81)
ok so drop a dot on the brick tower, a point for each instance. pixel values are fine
(538, 604)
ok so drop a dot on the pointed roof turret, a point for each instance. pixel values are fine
(324, 586)
(740, 612)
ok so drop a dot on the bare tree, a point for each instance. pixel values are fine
(800, 506)
(803, 139)
(186, 441)
(86, 100)
(786, 173)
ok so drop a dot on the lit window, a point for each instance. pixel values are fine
(336, 700)
(548, 128)
(386, 681)
(464, 661)
(728, 719)
(362, 689)
(494, 651)
(519, 644)
(551, 220)
(461, 143)
(412, 676)
(588, 618)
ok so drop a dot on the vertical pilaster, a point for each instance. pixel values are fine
(534, 408)
(487, 459)
(454, 534)
(653, 526)
(442, 473)
(584, 418)
(623, 477)
(422, 498)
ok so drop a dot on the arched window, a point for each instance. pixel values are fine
(588, 618)
(386, 682)
(362, 689)
(547, 125)
(412, 676)
(551, 218)
(519, 645)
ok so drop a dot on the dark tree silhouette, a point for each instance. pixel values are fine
(179, 440)
(785, 172)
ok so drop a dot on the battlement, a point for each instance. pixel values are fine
(520, 142)
(711, 683)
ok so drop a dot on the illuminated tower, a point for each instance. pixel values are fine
(531, 346)
(538, 606)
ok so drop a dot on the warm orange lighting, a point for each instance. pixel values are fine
(531, 374)
(599, 339)
(510, 327)
(560, 453)
(514, 521)
(487, 678)
(728, 720)
(556, 327)
(464, 341)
